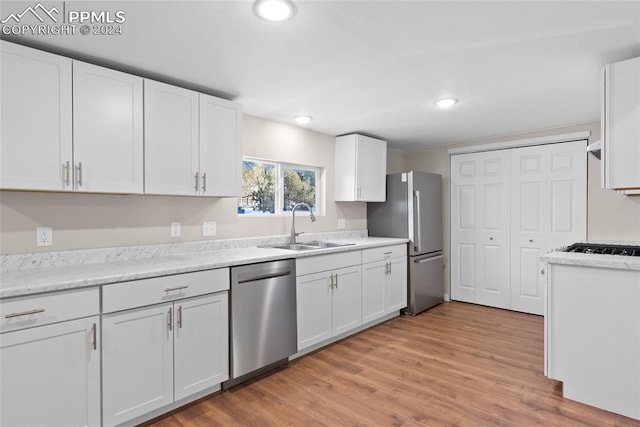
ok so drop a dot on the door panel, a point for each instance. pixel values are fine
(347, 300)
(170, 140)
(313, 300)
(137, 362)
(107, 129)
(51, 375)
(549, 211)
(36, 89)
(201, 344)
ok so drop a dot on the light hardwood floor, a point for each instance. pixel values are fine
(456, 364)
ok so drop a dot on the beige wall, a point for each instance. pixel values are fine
(610, 216)
(101, 220)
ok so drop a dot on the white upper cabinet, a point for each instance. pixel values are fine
(107, 130)
(35, 119)
(192, 142)
(220, 146)
(170, 140)
(361, 168)
(621, 126)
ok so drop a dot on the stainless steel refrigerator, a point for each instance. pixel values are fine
(413, 210)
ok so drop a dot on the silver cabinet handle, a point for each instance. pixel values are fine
(389, 268)
(67, 174)
(177, 288)
(418, 240)
(170, 319)
(180, 316)
(331, 281)
(197, 176)
(79, 174)
(24, 313)
(204, 182)
(336, 280)
(94, 333)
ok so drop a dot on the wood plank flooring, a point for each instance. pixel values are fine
(456, 364)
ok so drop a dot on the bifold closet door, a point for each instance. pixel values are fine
(548, 210)
(480, 228)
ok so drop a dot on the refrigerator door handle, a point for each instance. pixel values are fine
(417, 238)
(423, 260)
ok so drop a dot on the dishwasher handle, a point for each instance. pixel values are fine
(254, 276)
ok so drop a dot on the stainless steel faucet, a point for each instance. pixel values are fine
(293, 219)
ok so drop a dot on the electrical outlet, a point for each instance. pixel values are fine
(342, 224)
(44, 236)
(209, 228)
(175, 229)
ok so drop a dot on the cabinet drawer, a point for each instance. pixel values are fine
(382, 253)
(25, 312)
(314, 264)
(138, 293)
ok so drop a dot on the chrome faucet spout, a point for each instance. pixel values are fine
(293, 219)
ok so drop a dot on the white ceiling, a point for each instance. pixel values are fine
(376, 67)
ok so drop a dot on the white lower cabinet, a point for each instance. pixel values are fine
(328, 299)
(384, 281)
(159, 354)
(50, 373)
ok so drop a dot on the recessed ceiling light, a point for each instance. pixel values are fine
(446, 102)
(274, 10)
(303, 120)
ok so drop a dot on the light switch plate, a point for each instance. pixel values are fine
(208, 228)
(44, 236)
(342, 224)
(175, 229)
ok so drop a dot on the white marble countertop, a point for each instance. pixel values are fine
(596, 260)
(49, 277)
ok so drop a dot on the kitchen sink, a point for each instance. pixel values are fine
(306, 246)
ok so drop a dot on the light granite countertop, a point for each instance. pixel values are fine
(596, 260)
(28, 274)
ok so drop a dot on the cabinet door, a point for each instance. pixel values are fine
(35, 119)
(170, 140)
(313, 300)
(51, 375)
(220, 147)
(137, 362)
(347, 300)
(107, 130)
(621, 125)
(396, 285)
(548, 210)
(371, 169)
(374, 290)
(201, 343)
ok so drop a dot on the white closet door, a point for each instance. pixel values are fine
(548, 210)
(480, 228)
(463, 227)
(492, 213)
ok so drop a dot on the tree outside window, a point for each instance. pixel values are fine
(274, 188)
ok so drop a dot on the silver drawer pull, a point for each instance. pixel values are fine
(24, 313)
(179, 288)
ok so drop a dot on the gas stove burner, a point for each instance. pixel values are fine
(603, 249)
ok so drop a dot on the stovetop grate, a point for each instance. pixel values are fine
(603, 249)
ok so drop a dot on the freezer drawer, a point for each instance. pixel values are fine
(426, 282)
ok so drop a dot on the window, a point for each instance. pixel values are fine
(270, 188)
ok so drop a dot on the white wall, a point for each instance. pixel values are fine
(610, 216)
(102, 220)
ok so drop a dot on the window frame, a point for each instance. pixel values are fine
(280, 168)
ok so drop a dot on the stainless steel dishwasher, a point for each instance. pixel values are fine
(263, 318)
